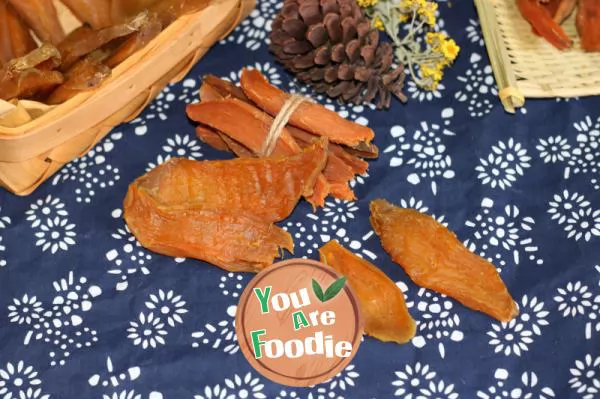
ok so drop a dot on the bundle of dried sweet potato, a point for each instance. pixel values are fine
(239, 119)
(82, 59)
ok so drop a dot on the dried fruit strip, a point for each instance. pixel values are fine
(433, 258)
(309, 116)
(381, 301)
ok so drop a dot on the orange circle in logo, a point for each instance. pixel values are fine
(298, 323)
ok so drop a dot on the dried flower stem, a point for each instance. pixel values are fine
(438, 52)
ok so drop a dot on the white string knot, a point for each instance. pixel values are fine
(280, 121)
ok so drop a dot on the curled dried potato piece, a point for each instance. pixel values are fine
(381, 301)
(433, 258)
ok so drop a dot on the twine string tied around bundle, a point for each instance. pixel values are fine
(279, 123)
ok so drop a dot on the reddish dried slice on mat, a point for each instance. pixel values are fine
(308, 116)
(232, 241)
(41, 17)
(434, 258)
(268, 188)
(243, 123)
(221, 211)
(381, 301)
(341, 166)
(248, 126)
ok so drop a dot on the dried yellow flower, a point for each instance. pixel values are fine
(403, 18)
(378, 23)
(427, 10)
(435, 39)
(450, 49)
(367, 3)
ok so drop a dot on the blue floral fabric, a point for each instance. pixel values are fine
(86, 312)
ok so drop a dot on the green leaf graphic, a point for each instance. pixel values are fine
(334, 289)
(318, 290)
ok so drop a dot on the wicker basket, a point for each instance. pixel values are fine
(37, 140)
(526, 66)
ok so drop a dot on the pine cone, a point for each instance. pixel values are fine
(331, 45)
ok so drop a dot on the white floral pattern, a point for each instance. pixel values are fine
(515, 337)
(554, 149)
(61, 323)
(220, 336)
(575, 214)
(253, 31)
(268, 69)
(586, 377)
(179, 146)
(417, 93)
(479, 92)
(232, 284)
(112, 377)
(4, 222)
(573, 299)
(129, 258)
(334, 388)
(437, 321)
(20, 381)
(148, 330)
(504, 164)
(236, 387)
(501, 235)
(579, 156)
(419, 381)
(92, 172)
(474, 32)
(505, 386)
(577, 300)
(425, 151)
(50, 223)
(332, 222)
(169, 305)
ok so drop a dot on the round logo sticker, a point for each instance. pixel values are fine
(298, 323)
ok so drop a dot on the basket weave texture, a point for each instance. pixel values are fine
(37, 140)
(526, 66)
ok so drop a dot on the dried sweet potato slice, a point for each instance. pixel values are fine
(85, 75)
(309, 116)
(42, 18)
(96, 13)
(433, 258)
(211, 137)
(29, 83)
(243, 123)
(233, 241)
(15, 39)
(136, 42)
(228, 115)
(85, 40)
(214, 88)
(381, 301)
(267, 188)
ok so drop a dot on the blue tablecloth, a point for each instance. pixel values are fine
(85, 312)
